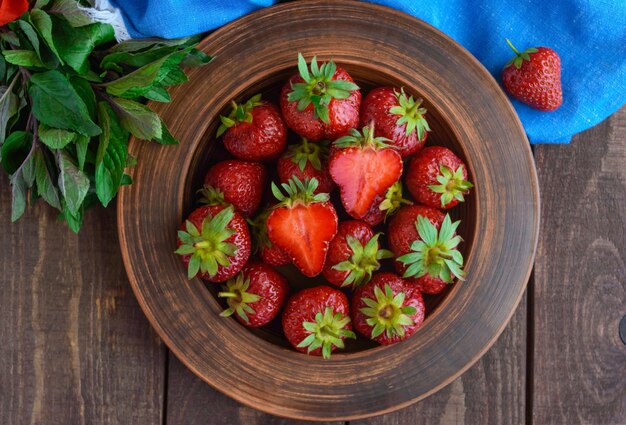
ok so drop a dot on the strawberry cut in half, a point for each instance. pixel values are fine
(256, 295)
(307, 160)
(397, 117)
(320, 103)
(433, 259)
(214, 243)
(364, 167)
(387, 309)
(317, 320)
(254, 130)
(354, 254)
(302, 224)
(437, 178)
(261, 244)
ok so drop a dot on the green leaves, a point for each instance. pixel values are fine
(56, 104)
(69, 101)
(452, 184)
(387, 313)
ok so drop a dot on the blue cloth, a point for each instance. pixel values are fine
(589, 35)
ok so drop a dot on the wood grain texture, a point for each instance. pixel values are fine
(75, 348)
(490, 392)
(191, 401)
(580, 280)
(501, 217)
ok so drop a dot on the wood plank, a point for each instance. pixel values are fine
(76, 348)
(190, 401)
(490, 392)
(580, 279)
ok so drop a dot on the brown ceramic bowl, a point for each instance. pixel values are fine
(468, 112)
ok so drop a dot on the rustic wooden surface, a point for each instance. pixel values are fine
(76, 349)
(500, 219)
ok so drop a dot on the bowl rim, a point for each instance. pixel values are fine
(172, 345)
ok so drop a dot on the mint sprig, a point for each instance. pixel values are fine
(69, 100)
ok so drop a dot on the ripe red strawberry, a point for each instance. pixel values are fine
(256, 295)
(306, 161)
(235, 182)
(303, 224)
(397, 117)
(317, 320)
(254, 131)
(385, 206)
(262, 246)
(364, 167)
(425, 244)
(534, 77)
(214, 243)
(387, 309)
(353, 255)
(437, 178)
(322, 103)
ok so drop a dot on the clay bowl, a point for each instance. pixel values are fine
(467, 112)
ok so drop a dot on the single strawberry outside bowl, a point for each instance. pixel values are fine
(468, 112)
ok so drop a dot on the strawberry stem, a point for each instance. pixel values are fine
(513, 47)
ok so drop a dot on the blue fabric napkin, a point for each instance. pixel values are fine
(589, 35)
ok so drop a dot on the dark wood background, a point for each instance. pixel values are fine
(76, 349)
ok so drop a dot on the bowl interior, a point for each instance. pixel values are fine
(211, 151)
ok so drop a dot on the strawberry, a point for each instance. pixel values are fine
(396, 117)
(266, 250)
(322, 103)
(424, 242)
(353, 255)
(437, 178)
(364, 167)
(317, 320)
(214, 243)
(235, 182)
(384, 206)
(387, 309)
(306, 161)
(303, 224)
(254, 131)
(534, 77)
(256, 295)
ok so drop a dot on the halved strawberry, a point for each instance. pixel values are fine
(303, 224)
(306, 160)
(364, 167)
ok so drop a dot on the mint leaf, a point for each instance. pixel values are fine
(73, 183)
(56, 104)
(30, 34)
(147, 43)
(84, 90)
(81, 143)
(76, 44)
(135, 59)
(15, 150)
(43, 24)
(196, 58)
(138, 119)
(112, 155)
(26, 58)
(166, 137)
(73, 220)
(69, 10)
(8, 108)
(19, 189)
(55, 138)
(45, 184)
(158, 94)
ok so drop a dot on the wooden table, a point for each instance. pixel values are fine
(76, 349)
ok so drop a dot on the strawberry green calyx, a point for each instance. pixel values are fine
(452, 184)
(210, 195)
(363, 261)
(387, 313)
(237, 297)
(208, 247)
(298, 192)
(240, 113)
(436, 253)
(411, 113)
(304, 152)
(327, 331)
(319, 88)
(393, 200)
(519, 58)
(364, 139)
